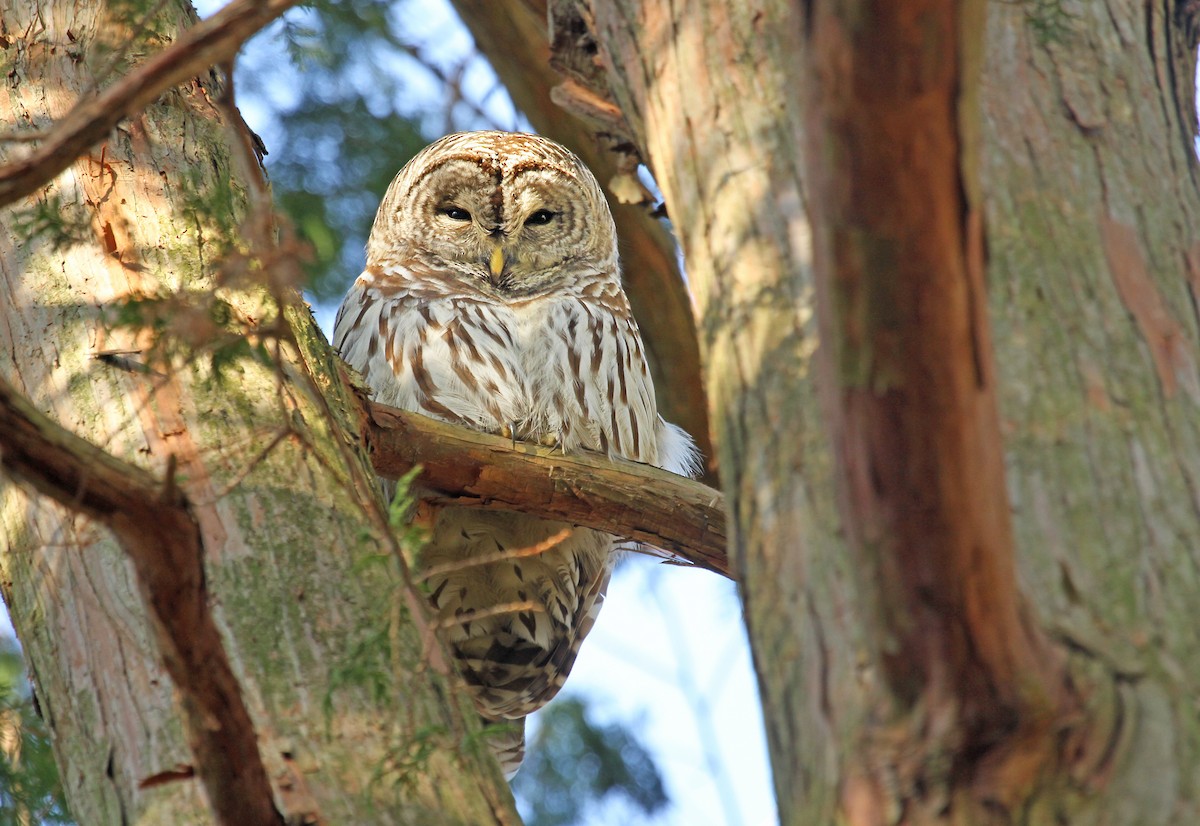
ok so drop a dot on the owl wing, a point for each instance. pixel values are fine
(612, 392)
(423, 348)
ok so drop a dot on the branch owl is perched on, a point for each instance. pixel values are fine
(492, 298)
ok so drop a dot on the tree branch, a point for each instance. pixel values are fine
(479, 470)
(205, 44)
(151, 520)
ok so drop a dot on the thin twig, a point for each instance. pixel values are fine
(493, 611)
(24, 137)
(498, 556)
(453, 84)
(138, 28)
(249, 467)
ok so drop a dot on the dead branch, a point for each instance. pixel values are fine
(151, 520)
(537, 549)
(208, 43)
(479, 470)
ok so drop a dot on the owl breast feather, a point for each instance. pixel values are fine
(557, 369)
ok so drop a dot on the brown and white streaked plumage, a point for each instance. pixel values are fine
(492, 298)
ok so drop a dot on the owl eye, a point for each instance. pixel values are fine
(542, 216)
(455, 213)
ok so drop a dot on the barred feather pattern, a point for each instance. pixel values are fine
(543, 348)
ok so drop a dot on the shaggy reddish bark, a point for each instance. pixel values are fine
(908, 369)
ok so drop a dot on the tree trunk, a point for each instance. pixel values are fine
(1091, 200)
(290, 611)
(712, 100)
(1093, 197)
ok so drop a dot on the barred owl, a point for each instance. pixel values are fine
(492, 298)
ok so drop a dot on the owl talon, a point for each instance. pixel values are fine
(509, 431)
(553, 441)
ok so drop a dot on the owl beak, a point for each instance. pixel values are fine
(496, 264)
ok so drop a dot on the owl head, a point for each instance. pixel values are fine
(508, 213)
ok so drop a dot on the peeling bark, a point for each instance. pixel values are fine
(908, 380)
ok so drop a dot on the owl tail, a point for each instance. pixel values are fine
(506, 739)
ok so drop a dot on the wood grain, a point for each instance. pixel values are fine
(631, 500)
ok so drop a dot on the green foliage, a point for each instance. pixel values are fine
(407, 765)
(210, 200)
(132, 10)
(370, 662)
(61, 224)
(191, 323)
(366, 664)
(345, 120)
(235, 350)
(140, 16)
(400, 511)
(572, 765)
(30, 790)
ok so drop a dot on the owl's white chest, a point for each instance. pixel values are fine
(543, 368)
(554, 368)
(534, 326)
